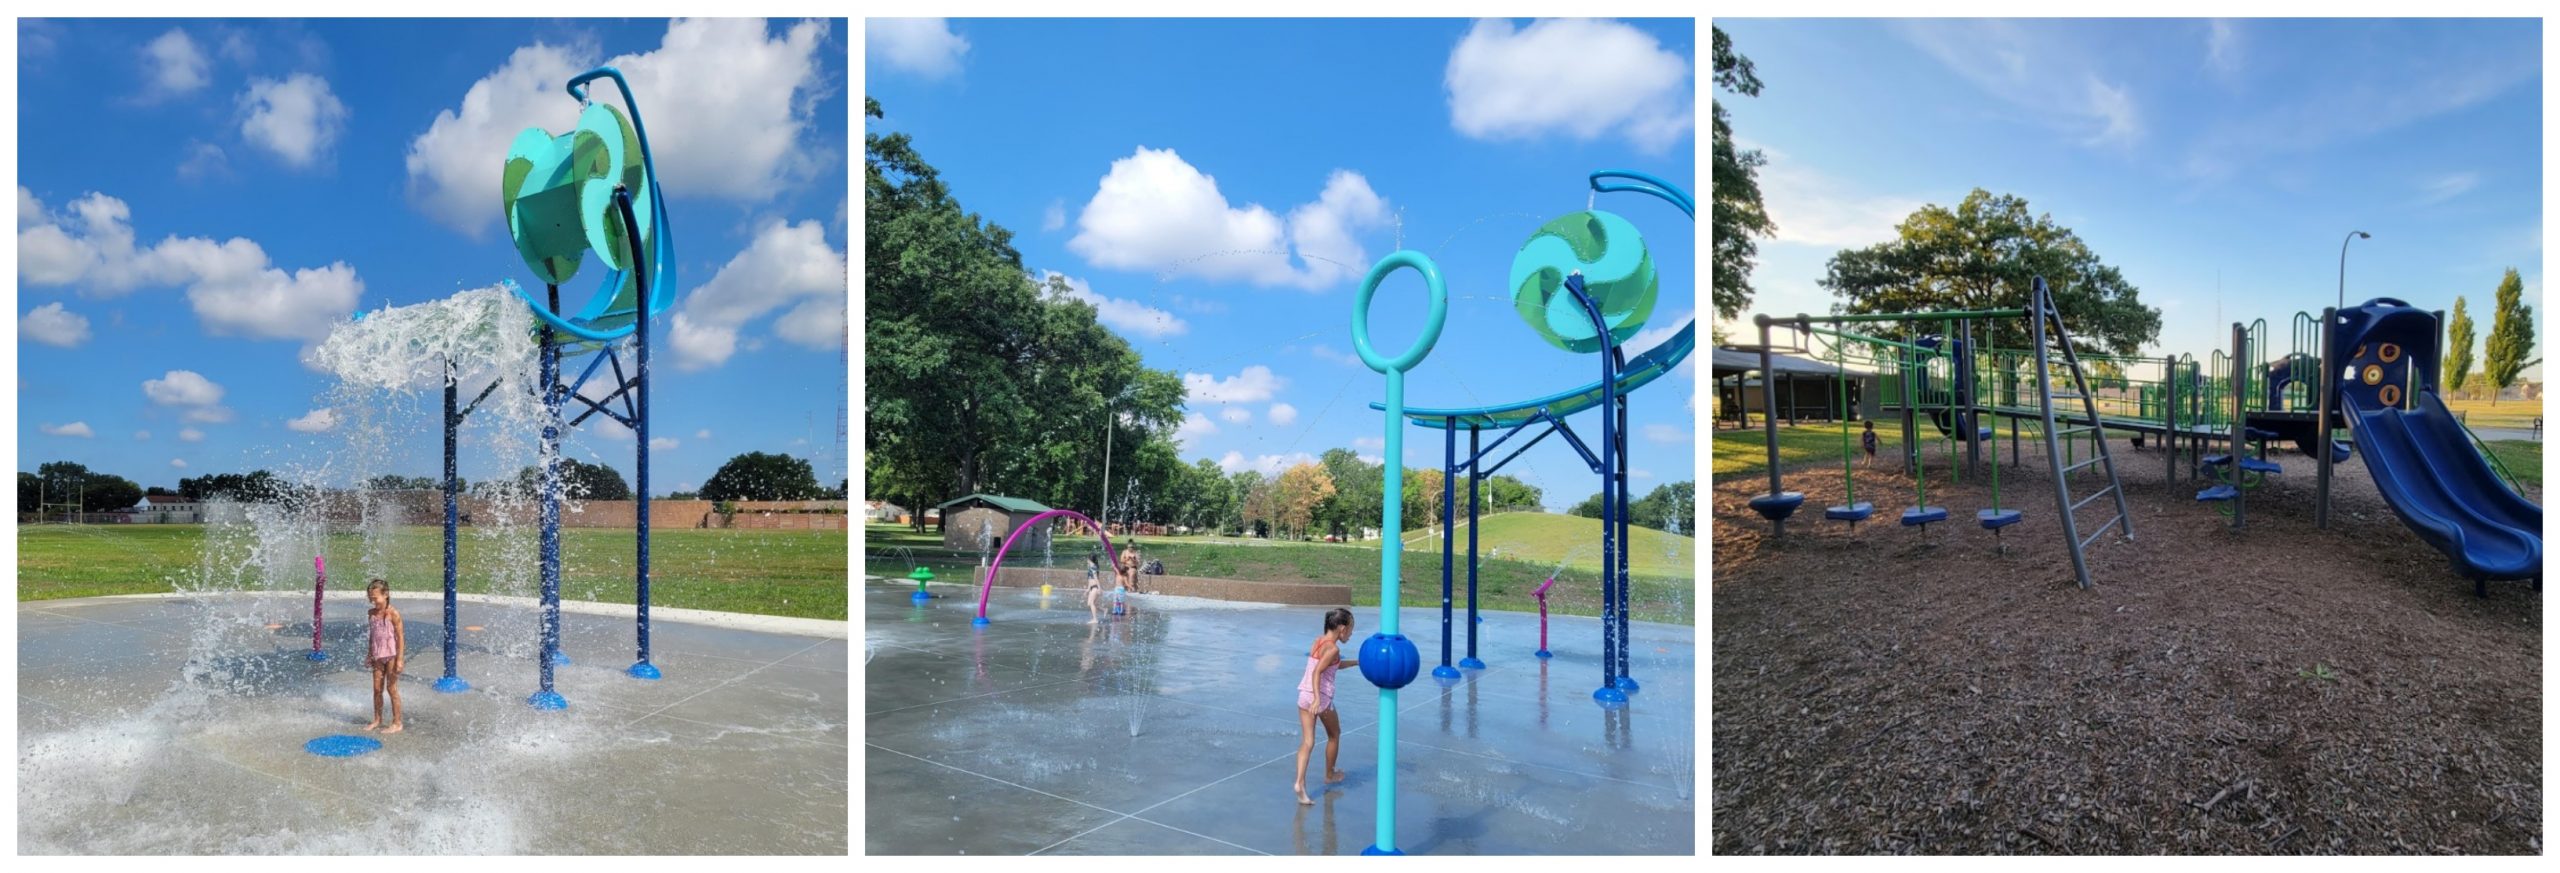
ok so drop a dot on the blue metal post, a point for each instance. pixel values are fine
(452, 680)
(1475, 486)
(1387, 659)
(550, 518)
(1626, 638)
(642, 669)
(1448, 543)
(1608, 694)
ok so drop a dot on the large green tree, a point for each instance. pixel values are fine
(2510, 335)
(1738, 220)
(981, 378)
(1985, 254)
(2458, 346)
(579, 480)
(1676, 501)
(760, 476)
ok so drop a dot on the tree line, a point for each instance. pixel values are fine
(2510, 340)
(749, 476)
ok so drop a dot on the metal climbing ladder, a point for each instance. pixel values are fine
(2047, 341)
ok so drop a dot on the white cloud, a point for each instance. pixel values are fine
(191, 435)
(1814, 209)
(204, 160)
(1282, 413)
(174, 65)
(1252, 385)
(30, 209)
(2439, 189)
(1055, 217)
(233, 287)
(1153, 211)
(1329, 353)
(2222, 48)
(182, 388)
(315, 421)
(1194, 426)
(2037, 67)
(207, 415)
(296, 117)
(728, 110)
(786, 265)
(702, 434)
(54, 326)
(75, 429)
(923, 46)
(1127, 315)
(1236, 414)
(1519, 84)
(141, 436)
(1267, 465)
(1639, 473)
(179, 463)
(1667, 434)
(661, 444)
(1660, 330)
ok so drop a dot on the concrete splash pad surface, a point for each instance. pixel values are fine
(1173, 732)
(130, 744)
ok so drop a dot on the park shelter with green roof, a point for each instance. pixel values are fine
(981, 522)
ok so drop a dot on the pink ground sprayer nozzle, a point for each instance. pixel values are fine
(1541, 595)
(319, 581)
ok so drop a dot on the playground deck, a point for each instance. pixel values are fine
(2280, 689)
(741, 749)
(1173, 731)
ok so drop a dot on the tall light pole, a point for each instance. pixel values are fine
(2342, 264)
(1107, 434)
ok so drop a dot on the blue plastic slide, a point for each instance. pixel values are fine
(2425, 465)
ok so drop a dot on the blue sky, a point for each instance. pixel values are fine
(2186, 152)
(1220, 187)
(200, 200)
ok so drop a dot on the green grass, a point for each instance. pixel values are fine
(1550, 539)
(1746, 452)
(2521, 457)
(802, 574)
(2517, 414)
(1664, 596)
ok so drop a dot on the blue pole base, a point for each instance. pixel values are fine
(980, 621)
(1373, 850)
(1445, 672)
(1628, 684)
(645, 670)
(548, 700)
(1470, 664)
(317, 655)
(452, 685)
(1545, 654)
(559, 659)
(920, 597)
(1609, 698)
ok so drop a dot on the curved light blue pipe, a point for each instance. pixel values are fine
(1390, 561)
(655, 300)
(1651, 185)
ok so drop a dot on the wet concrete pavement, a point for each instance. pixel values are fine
(1174, 731)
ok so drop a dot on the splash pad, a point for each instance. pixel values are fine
(184, 724)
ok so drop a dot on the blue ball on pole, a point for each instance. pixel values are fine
(1390, 660)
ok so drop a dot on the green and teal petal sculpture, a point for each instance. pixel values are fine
(1617, 271)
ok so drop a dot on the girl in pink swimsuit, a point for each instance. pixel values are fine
(1315, 698)
(386, 653)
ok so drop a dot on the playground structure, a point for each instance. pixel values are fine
(1584, 283)
(594, 188)
(2213, 419)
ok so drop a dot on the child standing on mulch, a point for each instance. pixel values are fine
(1870, 441)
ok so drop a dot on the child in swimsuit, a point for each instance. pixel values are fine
(1127, 576)
(1315, 698)
(1870, 440)
(386, 652)
(1093, 588)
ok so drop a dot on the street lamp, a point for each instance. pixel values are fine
(2342, 265)
(1107, 435)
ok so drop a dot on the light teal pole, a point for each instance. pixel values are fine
(1387, 659)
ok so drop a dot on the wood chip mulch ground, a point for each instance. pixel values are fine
(2279, 689)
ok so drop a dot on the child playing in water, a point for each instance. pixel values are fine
(1127, 576)
(386, 653)
(1315, 698)
(1093, 588)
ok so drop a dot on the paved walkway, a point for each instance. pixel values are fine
(1174, 731)
(176, 726)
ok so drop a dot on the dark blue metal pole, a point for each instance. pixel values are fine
(550, 517)
(643, 669)
(1448, 542)
(452, 680)
(1611, 487)
(1626, 636)
(1475, 486)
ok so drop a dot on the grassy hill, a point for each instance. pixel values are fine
(1549, 539)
